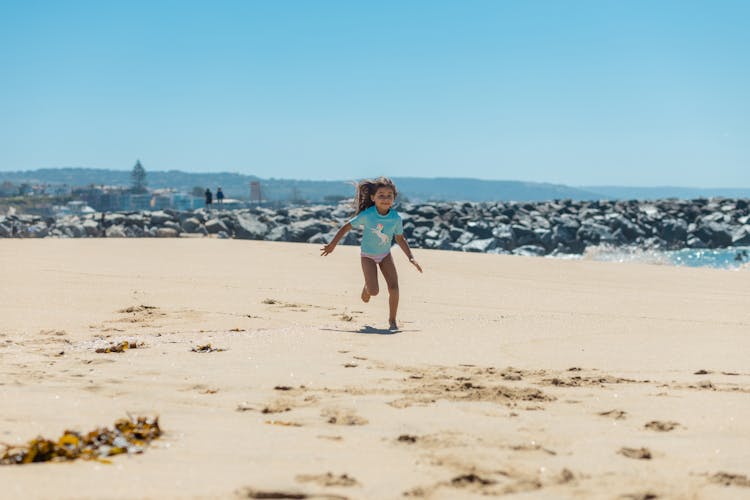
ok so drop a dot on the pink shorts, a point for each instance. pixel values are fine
(378, 257)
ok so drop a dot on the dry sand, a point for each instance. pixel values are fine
(526, 377)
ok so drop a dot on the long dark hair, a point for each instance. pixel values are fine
(367, 188)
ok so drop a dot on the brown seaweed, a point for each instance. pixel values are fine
(120, 346)
(207, 348)
(129, 435)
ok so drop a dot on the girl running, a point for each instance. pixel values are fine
(380, 224)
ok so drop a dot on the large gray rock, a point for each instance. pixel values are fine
(530, 250)
(427, 211)
(248, 227)
(480, 229)
(37, 230)
(91, 227)
(192, 225)
(174, 225)
(741, 237)
(524, 235)
(465, 238)
(695, 242)
(482, 245)
(629, 229)
(591, 233)
(135, 220)
(113, 219)
(116, 231)
(440, 243)
(5, 231)
(504, 237)
(279, 233)
(566, 231)
(320, 238)
(342, 211)
(215, 226)
(159, 217)
(674, 232)
(134, 232)
(72, 230)
(715, 234)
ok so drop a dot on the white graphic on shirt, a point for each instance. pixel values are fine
(378, 230)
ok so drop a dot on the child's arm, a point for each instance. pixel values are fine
(405, 247)
(340, 234)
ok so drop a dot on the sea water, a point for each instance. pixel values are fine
(721, 258)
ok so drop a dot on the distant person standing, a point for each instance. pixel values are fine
(209, 198)
(220, 197)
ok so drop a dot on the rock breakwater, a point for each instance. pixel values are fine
(539, 228)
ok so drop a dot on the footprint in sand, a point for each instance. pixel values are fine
(248, 492)
(637, 453)
(327, 479)
(726, 479)
(656, 425)
(616, 414)
(407, 438)
(279, 406)
(340, 416)
(639, 496)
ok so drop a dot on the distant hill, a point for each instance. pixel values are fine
(662, 192)
(464, 189)
(237, 185)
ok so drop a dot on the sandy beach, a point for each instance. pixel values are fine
(525, 377)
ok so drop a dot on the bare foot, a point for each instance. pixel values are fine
(392, 325)
(365, 294)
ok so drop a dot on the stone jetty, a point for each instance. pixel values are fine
(538, 228)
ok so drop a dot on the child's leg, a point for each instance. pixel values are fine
(388, 267)
(370, 270)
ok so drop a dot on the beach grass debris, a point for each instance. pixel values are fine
(128, 435)
(616, 414)
(253, 493)
(328, 479)
(120, 346)
(341, 416)
(471, 478)
(207, 348)
(270, 301)
(648, 495)
(661, 426)
(727, 479)
(139, 308)
(637, 453)
(283, 423)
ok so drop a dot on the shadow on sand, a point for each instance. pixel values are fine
(369, 330)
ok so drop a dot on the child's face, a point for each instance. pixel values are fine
(383, 198)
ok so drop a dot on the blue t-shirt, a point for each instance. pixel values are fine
(378, 230)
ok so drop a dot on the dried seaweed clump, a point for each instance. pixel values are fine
(120, 346)
(129, 435)
(207, 348)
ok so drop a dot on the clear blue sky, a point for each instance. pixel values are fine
(628, 92)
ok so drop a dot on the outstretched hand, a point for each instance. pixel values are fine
(416, 264)
(327, 249)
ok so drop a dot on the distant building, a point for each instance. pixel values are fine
(256, 196)
(117, 199)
